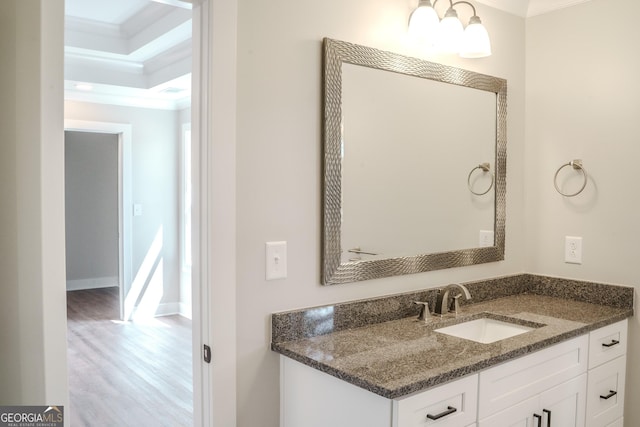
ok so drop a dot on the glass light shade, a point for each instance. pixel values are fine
(424, 23)
(450, 33)
(475, 40)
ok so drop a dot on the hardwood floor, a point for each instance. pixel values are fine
(126, 374)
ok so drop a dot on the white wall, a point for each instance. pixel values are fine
(583, 103)
(155, 155)
(279, 165)
(184, 121)
(33, 359)
(91, 209)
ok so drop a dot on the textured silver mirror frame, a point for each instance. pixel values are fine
(334, 272)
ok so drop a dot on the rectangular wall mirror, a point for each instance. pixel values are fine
(415, 165)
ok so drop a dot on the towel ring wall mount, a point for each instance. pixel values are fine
(576, 165)
(484, 167)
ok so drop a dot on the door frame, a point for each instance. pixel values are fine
(125, 200)
(200, 137)
(214, 221)
(214, 129)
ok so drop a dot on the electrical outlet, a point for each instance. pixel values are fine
(573, 250)
(486, 239)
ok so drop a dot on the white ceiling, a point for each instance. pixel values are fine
(528, 8)
(132, 52)
(138, 52)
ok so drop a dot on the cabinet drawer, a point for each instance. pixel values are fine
(512, 382)
(607, 343)
(607, 381)
(460, 395)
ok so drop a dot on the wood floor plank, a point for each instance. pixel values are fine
(126, 373)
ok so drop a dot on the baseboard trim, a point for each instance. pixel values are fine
(163, 309)
(185, 310)
(92, 283)
(168, 309)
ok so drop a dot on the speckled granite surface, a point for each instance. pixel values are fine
(378, 344)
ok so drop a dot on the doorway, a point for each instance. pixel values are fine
(214, 178)
(87, 134)
(92, 211)
(118, 349)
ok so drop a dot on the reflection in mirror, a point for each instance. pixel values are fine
(404, 175)
(406, 143)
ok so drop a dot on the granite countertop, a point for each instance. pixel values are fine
(398, 357)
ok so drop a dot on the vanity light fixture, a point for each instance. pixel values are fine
(424, 23)
(448, 35)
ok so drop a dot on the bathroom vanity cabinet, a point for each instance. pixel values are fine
(310, 398)
(607, 370)
(578, 382)
(550, 384)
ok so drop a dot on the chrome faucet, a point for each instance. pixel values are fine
(444, 306)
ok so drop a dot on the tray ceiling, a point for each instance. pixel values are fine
(132, 52)
(528, 8)
(138, 52)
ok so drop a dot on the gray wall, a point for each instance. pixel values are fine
(583, 103)
(279, 158)
(9, 292)
(91, 209)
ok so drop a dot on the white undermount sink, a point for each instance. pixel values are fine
(485, 330)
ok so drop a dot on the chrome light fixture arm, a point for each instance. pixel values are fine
(464, 2)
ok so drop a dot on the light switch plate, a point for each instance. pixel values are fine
(276, 260)
(137, 209)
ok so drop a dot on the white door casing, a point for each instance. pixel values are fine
(125, 200)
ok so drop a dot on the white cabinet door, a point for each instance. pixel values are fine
(509, 383)
(560, 406)
(564, 405)
(518, 415)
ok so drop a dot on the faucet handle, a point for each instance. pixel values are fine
(425, 314)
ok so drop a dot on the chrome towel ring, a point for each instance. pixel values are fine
(484, 167)
(577, 165)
